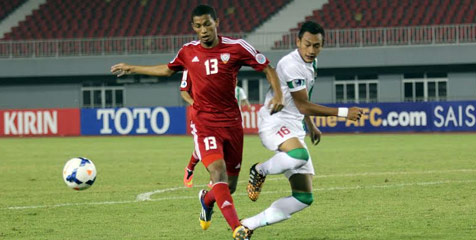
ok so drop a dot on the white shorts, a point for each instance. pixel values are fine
(274, 130)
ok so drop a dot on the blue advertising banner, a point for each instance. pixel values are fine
(378, 117)
(405, 117)
(453, 116)
(133, 121)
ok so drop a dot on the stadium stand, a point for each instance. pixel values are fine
(351, 14)
(101, 27)
(6, 7)
(339, 14)
(65, 19)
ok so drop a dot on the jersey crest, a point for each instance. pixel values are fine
(225, 57)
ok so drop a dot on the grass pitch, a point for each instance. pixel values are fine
(415, 186)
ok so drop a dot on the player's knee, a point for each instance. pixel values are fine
(304, 197)
(218, 176)
(218, 171)
(299, 153)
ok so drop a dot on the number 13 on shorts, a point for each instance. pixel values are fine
(210, 143)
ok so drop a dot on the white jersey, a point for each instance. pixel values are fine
(240, 94)
(294, 75)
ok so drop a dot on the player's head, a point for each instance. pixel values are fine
(205, 23)
(310, 40)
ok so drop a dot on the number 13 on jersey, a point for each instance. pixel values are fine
(211, 66)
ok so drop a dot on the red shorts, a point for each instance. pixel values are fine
(215, 143)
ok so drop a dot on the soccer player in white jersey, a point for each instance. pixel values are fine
(284, 132)
(241, 97)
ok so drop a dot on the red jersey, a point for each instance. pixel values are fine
(213, 72)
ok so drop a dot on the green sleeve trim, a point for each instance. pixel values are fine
(290, 84)
(310, 92)
(304, 197)
(299, 153)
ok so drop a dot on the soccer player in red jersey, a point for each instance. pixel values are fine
(187, 96)
(213, 63)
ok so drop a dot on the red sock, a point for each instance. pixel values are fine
(225, 203)
(209, 198)
(193, 161)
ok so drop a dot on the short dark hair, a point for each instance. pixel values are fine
(311, 27)
(203, 10)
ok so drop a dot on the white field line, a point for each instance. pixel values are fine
(147, 196)
(244, 194)
(394, 173)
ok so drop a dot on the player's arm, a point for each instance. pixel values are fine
(276, 103)
(186, 97)
(157, 70)
(310, 109)
(245, 102)
(244, 99)
(314, 132)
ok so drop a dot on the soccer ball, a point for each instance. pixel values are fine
(79, 173)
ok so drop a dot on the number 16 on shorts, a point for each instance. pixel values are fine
(283, 131)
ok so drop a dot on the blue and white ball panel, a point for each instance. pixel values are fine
(79, 173)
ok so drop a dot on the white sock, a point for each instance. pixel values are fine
(279, 163)
(279, 210)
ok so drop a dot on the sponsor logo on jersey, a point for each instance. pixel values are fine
(195, 59)
(260, 58)
(225, 57)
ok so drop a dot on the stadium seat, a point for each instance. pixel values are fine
(345, 14)
(7, 7)
(121, 18)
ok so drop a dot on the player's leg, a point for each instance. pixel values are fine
(193, 161)
(210, 145)
(291, 155)
(232, 182)
(188, 174)
(233, 151)
(283, 208)
(282, 136)
(220, 193)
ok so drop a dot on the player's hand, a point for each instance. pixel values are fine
(354, 113)
(121, 69)
(315, 135)
(276, 104)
